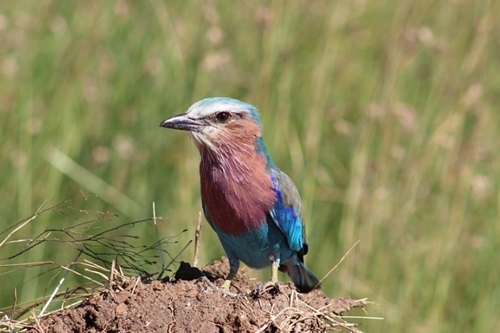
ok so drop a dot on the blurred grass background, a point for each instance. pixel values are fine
(385, 113)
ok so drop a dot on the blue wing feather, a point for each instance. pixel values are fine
(286, 210)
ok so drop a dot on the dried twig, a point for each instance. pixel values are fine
(197, 240)
(340, 261)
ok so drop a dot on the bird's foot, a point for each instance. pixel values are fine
(224, 289)
(268, 287)
(209, 285)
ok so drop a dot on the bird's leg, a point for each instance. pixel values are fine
(273, 284)
(274, 271)
(234, 265)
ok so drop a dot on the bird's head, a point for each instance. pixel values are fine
(218, 123)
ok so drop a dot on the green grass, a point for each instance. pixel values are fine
(385, 114)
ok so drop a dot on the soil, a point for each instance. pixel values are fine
(193, 303)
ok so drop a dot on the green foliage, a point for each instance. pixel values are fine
(382, 112)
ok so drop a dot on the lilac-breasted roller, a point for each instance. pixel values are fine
(253, 206)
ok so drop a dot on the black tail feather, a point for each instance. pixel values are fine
(302, 278)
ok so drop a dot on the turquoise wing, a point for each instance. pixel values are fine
(286, 211)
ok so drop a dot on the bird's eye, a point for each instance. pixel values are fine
(223, 116)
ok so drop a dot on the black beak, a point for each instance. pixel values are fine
(183, 122)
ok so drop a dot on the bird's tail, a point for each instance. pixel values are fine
(302, 278)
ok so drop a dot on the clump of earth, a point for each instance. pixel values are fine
(191, 302)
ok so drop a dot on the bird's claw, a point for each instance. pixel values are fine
(270, 286)
(224, 289)
(210, 286)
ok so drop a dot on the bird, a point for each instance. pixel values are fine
(253, 206)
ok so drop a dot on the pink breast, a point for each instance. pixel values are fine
(237, 195)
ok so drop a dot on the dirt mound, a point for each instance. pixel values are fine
(193, 304)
